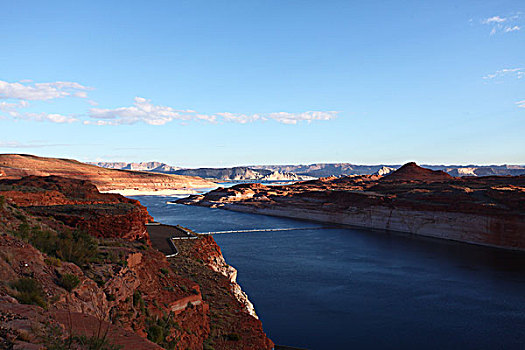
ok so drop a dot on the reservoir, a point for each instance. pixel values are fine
(328, 287)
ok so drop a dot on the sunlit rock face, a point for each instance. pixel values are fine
(481, 210)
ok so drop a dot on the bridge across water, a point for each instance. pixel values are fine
(262, 230)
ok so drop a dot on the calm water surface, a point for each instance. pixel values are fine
(340, 288)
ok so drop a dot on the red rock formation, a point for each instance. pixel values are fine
(20, 165)
(413, 172)
(126, 287)
(482, 210)
(78, 204)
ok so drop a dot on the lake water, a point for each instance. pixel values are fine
(341, 288)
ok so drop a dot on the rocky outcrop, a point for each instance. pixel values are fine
(15, 166)
(413, 172)
(208, 251)
(78, 204)
(480, 210)
(116, 285)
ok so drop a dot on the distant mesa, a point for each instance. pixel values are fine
(307, 172)
(385, 170)
(19, 165)
(413, 172)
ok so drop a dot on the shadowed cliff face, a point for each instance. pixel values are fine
(60, 282)
(483, 210)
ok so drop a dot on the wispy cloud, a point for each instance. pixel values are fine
(506, 72)
(17, 95)
(50, 117)
(11, 108)
(512, 29)
(144, 111)
(521, 104)
(495, 19)
(14, 97)
(16, 144)
(41, 91)
(503, 24)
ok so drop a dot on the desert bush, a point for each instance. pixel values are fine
(69, 281)
(74, 246)
(29, 291)
(158, 330)
(52, 261)
(233, 336)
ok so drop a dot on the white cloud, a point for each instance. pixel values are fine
(506, 72)
(512, 29)
(15, 144)
(41, 91)
(17, 95)
(521, 104)
(144, 111)
(503, 24)
(51, 117)
(239, 118)
(495, 19)
(11, 108)
(141, 111)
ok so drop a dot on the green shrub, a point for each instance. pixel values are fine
(159, 328)
(52, 261)
(73, 246)
(29, 292)
(164, 271)
(156, 333)
(69, 281)
(233, 336)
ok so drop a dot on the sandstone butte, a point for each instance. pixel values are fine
(13, 166)
(76, 267)
(481, 210)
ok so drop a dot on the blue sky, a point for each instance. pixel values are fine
(222, 83)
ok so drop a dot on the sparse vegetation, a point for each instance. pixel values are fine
(69, 281)
(52, 261)
(233, 336)
(164, 271)
(159, 330)
(29, 291)
(74, 246)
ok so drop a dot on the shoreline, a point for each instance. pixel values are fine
(153, 192)
(464, 228)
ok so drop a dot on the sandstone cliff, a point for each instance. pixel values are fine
(18, 165)
(481, 210)
(77, 267)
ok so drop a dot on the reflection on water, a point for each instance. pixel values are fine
(341, 288)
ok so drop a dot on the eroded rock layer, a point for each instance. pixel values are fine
(76, 267)
(483, 210)
(20, 165)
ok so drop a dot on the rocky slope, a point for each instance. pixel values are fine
(18, 165)
(481, 210)
(76, 267)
